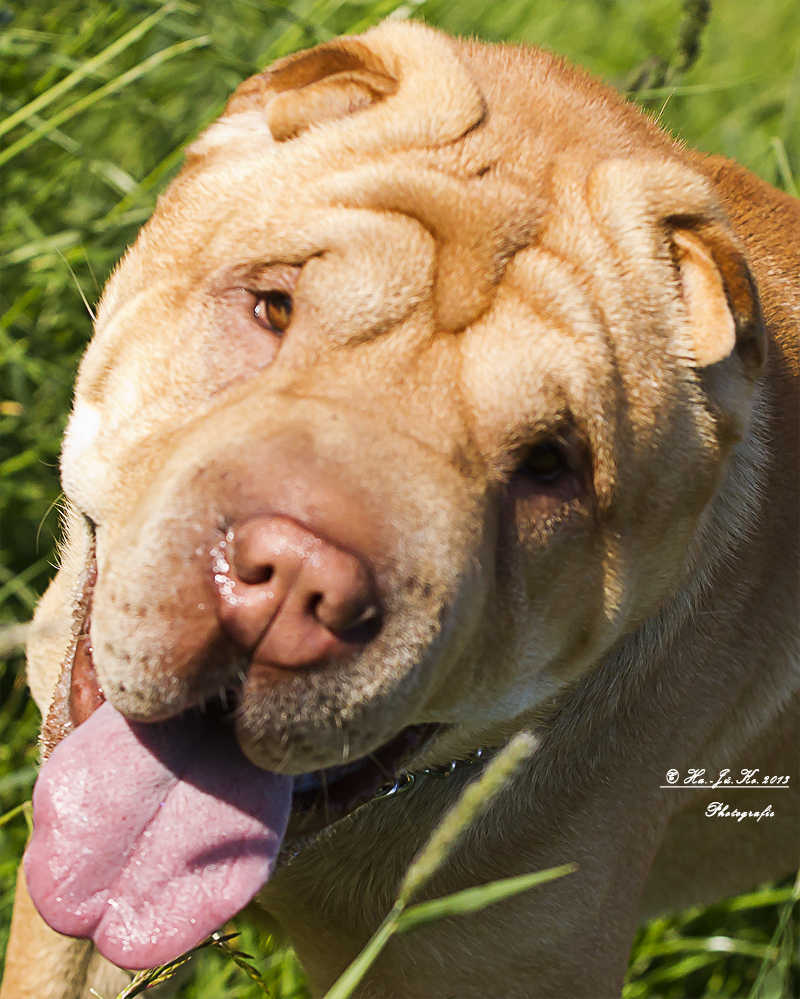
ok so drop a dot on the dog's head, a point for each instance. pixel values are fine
(412, 398)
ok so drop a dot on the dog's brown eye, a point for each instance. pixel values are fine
(273, 311)
(545, 462)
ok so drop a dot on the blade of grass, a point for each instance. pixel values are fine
(475, 899)
(459, 903)
(111, 87)
(84, 299)
(49, 243)
(110, 172)
(693, 88)
(783, 166)
(240, 959)
(681, 969)
(344, 985)
(144, 186)
(21, 304)
(475, 800)
(14, 812)
(711, 945)
(757, 899)
(43, 100)
(18, 585)
(772, 973)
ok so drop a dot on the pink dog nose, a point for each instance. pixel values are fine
(290, 598)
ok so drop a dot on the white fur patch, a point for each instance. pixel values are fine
(81, 474)
(245, 124)
(82, 429)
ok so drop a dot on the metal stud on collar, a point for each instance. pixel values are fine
(406, 779)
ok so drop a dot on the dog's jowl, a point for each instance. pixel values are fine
(443, 396)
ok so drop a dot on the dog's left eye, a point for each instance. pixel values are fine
(273, 311)
(545, 462)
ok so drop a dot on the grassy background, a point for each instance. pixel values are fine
(83, 172)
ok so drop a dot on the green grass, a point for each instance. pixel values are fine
(99, 98)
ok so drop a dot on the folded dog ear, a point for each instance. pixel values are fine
(644, 204)
(331, 81)
(719, 294)
(435, 99)
(713, 328)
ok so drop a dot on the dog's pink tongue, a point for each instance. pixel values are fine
(149, 837)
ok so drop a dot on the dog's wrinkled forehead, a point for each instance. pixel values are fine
(354, 124)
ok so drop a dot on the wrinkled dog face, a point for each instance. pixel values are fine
(395, 412)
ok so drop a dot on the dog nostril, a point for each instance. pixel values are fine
(362, 627)
(359, 620)
(259, 574)
(337, 619)
(251, 571)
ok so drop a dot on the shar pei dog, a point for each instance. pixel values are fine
(443, 396)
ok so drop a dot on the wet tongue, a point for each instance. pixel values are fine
(149, 837)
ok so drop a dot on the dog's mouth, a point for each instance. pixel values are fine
(149, 836)
(319, 798)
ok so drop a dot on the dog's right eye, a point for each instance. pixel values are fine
(545, 462)
(273, 311)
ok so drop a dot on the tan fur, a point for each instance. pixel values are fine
(495, 249)
(43, 964)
